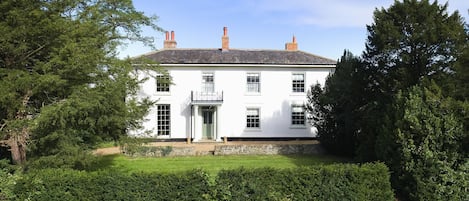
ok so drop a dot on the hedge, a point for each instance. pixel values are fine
(57, 184)
(327, 182)
(323, 182)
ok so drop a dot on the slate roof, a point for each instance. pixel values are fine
(236, 56)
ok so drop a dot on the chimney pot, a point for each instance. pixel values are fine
(169, 42)
(225, 40)
(293, 46)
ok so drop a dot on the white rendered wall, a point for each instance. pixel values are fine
(274, 100)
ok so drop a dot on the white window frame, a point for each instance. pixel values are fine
(295, 118)
(163, 119)
(248, 123)
(251, 84)
(162, 85)
(295, 88)
(206, 88)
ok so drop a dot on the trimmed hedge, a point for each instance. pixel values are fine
(323, 182)
(56, 184)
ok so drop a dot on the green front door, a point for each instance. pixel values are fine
(207, 127)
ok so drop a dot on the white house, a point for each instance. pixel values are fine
(233, 93)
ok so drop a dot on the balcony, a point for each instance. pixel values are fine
(206, 98)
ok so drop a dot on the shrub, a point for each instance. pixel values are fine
(7, 180)
(330, 182)
(324, 182)
(66, 184)
(72, 158)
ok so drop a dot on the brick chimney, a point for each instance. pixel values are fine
(293, 46)
(170, 42)
(225, 40)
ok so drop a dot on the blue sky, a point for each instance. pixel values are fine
(322, 27)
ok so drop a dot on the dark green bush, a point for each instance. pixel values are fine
(330, 182)
(324, 182)
(8, 180)
(75, 159)
(59, 184)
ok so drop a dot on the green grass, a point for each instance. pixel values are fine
(210, 164)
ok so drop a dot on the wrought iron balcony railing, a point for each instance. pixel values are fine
(198, 97)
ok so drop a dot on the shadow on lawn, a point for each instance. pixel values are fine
(104, 162)
(317, 159)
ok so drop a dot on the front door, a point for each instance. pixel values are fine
(207, 127)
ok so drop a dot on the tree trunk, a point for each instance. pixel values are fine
(16, 155)
(17, 138)
(18, 146)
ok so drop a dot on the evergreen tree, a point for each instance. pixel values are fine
(424, 150)
(416, 48)
(412, 40)
(336, 109)
(407, 43)
(61, 82)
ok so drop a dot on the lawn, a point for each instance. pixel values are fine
(210, 164)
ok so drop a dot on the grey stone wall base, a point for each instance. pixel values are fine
(163, 152)
(253, 149)
(269, 149)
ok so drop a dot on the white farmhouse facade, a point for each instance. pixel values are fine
(233, 93)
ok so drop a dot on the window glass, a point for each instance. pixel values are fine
(162, 83)
(298, 82)
(253, 82)
(163, 119)
(252, 118)
(207, 82)
(298, 115)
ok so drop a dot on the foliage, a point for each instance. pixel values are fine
(412, 40)
(8, 180)
(59, 184)
(7, 184)
(331, 182)
(407, 102)
(425, 150)
(61, 82)
(417, 51)
(68, 158)
(409, 42)
(336, 109)
(458, 88)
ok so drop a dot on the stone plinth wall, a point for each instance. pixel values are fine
(162, 151)
(232, 149)
(268, 149)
